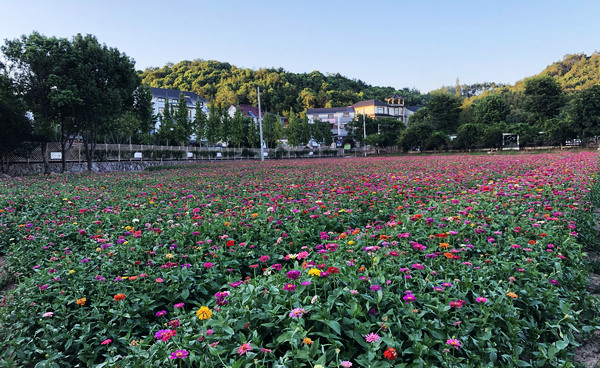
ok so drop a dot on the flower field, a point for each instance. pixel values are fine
(450, 261)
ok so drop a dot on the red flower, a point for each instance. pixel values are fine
(390, 354)
(119, 297)
(333, 270)
(230, 243)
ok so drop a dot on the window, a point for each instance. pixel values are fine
(160, 99)
(329, 116)
(396, 112)
(315, 117)
(346, 114)
(380, 110)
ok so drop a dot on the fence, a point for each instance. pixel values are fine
(31, 153)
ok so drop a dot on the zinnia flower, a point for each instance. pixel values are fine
(481, 299)
(119, 297)
(204, 313)
(390, 353)
(179, 354)
(81, 301)
(244, 348)
(297, 313)
(346, 364)
(106, 342)
(372, 337)
(453, 342)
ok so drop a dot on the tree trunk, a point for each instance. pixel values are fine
(44, 148)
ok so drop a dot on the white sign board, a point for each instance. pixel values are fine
(219, 154)
(266, 154)
(190, 154)
(56, 155)
(310, 153)
(137, 155)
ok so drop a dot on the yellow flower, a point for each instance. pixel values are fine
(204, 313)
(307, 341)
(351, 242)
(314, 272)
(71, 272)
(169, 256)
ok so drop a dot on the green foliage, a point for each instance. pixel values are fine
(142, 107)
(293, 130)
(199, 122)
(238, 125)
(443, 112)
(213, 124)
(543, 98)
(14, 125)
(491, 110)
(468, 136)
(280, 90)
(583, 112)
(272, 130)
(415, 137)
(183, 127)
(305, 131)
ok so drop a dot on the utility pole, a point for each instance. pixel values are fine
(364, 134)
(262, 149)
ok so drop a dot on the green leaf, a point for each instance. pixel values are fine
(334, 326)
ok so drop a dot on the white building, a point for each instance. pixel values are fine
(160, 96)
(337, 117)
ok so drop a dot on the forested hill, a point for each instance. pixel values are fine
(576, 72)
(280, 90)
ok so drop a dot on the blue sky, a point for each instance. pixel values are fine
(422, 44)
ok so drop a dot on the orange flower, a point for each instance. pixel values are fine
(119, 297)
(384, 237)
(444, 245)
(512, 295)
(362, 268)
(81, 301)
(307, 341)
(133, 278)
(449, 255)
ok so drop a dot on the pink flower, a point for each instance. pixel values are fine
(372, 337)
(481, 299)
(346, 364)
(244, 348)
(264, 259)
(159, 280)
(106, 342)
(453, 342)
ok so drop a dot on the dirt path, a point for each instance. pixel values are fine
(588, 354)
(6, 283)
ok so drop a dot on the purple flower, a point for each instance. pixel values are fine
(375, 287)
(161, 313)
(293, 274)
(179, 354)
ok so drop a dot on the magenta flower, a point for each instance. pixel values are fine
(244, 348)
(481, 299)
(106, 342)
(458, 303)
(179, 354)
(289, 287)
(453, 342)
(161, 313)
(293, 274)
(179, 305)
